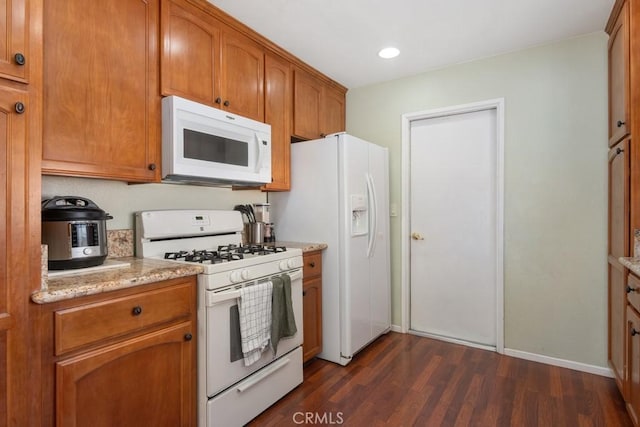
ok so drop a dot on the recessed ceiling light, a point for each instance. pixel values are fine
(388, 53)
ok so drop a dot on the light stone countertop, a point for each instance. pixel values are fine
(632, 264)
(140, 272)
(306, 247)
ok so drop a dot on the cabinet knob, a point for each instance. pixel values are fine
(634, 332)
(137, 310)
(630, 289)
(226, 103)
(312, 264)
(620, 123)
(152, 166)
(19, 58)
(20, 107)
(188, 337)
(619, 150)
(304, 293)
(218, 100)
(322, 135)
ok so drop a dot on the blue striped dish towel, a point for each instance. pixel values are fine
(254, 309)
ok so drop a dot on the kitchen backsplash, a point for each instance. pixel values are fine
(122, 200)
(120, 243)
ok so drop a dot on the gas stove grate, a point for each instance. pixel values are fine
(224, 253)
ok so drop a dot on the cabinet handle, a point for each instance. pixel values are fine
(20, 107)
(620, 123)
(188, 337)
(304, 293)
(152, 166)
(226, 103)
(312, 264)
(19, 58)
(218, 100)
(137, 310)
(634, 332)
(619, 150)
(630, 289)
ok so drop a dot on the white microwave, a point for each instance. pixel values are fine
(205, 145)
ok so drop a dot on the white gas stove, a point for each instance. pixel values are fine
(212, 238)
(229, 393)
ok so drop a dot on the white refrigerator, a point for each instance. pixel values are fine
(340, 196)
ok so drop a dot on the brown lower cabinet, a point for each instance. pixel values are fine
(312, 304)
(633, 363)
(122, 358)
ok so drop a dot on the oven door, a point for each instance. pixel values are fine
(224, 363)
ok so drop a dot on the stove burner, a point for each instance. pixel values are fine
(203, 257)
(259, 249)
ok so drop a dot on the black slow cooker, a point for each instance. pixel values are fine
(75, 230)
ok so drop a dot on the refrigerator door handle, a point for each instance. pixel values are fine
(373, 220)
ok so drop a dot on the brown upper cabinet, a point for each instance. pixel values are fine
(318, 107)
(277, 112)
(101, 100)
(14, 58)
(206, 61)
(619, 77)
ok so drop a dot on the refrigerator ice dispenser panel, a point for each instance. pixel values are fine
(359, 215)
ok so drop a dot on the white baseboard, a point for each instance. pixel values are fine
(396, 328)
(563, 363)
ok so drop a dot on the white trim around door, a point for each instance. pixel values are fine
(498, 106)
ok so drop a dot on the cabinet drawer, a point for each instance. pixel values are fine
(87, 324)
(312, 264)
(633, 291)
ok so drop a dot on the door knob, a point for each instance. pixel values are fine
(416, 236)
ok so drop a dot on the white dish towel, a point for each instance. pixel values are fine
(254, 309)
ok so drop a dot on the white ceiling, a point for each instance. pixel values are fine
(341, 38)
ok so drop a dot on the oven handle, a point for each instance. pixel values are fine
(267, 372)
(213, 298)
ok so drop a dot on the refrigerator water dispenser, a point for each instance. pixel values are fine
(359, 215)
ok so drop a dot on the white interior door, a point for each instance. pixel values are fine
(453, 277)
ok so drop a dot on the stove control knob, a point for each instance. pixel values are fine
(235, 277)
(283, 265)
(245, 275)
(291, 263)
(87, 251)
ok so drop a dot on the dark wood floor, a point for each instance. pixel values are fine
(405, 380)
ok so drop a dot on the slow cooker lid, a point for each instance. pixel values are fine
(71, 208)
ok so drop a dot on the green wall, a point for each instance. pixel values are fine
(555, 183)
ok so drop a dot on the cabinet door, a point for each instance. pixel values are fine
(619, 236)
(277, 113)
(101, 98)
(632, 334)
(145, 381)
(619, 78)
(307, 99)
(15, 356)
(332, 112)
(242, 76)
(617, 327)
(312, 317)
(14, 58)
(191, 53)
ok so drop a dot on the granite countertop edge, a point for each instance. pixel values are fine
(140, 272)
(632, 264)
(304, 246)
